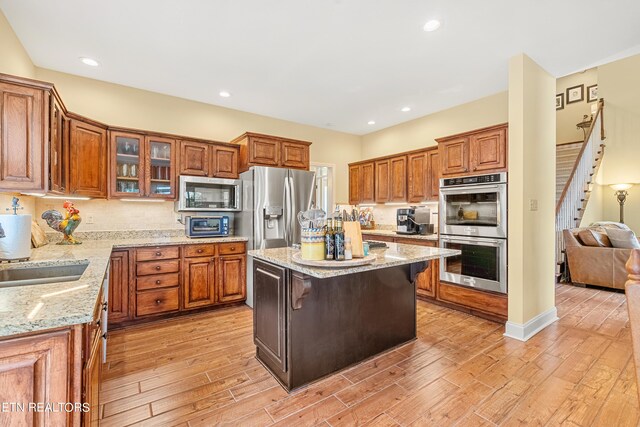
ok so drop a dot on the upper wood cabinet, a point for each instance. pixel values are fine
(489, 150)
(433, 186)
(160, 167)
(224, 161)
(58, 147)
(24, 129)
(391, 180)
(217, 160)
(194, 158)
(362, 183)
(126, 168)
(382, 182)
(266, 150)
(87, 159)
(479, 151)
(417, 177)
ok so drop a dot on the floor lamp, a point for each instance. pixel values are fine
(621, 195)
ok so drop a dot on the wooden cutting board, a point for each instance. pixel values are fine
(352, 230)
(38, 238)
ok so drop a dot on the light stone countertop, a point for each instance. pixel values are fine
(392, 233)
(395, 254)
(69, 303)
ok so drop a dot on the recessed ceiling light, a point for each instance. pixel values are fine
(89, 61)
(432, 25)
(405, 109)
(371, 122)
(224, 94)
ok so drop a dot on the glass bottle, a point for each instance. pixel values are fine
(348, 253)
(338, 238)
(329, 244)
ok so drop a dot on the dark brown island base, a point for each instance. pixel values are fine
(310, 322)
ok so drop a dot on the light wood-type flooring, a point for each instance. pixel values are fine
(201, 371)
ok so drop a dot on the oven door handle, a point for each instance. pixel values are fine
(467, 190)
(483, 242)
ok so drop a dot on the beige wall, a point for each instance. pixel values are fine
(13, 58)
(423, 131)
(618, 86)
(531, 177)
(571, 114)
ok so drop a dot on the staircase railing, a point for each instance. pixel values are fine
(575, 195)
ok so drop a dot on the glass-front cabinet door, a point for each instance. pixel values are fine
(160, 167)
(127, 167)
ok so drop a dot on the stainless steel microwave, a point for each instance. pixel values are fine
(199, 194)
(207, 226)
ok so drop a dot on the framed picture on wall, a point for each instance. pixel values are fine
(592, 93)
(575, 94)
(560, 101)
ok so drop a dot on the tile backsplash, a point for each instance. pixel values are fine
(112, 215)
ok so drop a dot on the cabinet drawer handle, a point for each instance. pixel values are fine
(158, 267)
(158, 253)
(158, 282)
(199, 251)
(233, 248)
(158, 301)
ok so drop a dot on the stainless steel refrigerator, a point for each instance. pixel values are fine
(272, 198)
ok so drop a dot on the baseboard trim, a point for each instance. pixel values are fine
(524, 332)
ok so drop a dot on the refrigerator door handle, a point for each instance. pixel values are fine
(286, 211)
(293, 214)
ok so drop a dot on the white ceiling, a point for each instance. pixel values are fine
(329, 63)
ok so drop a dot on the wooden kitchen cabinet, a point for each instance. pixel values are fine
(476, 152)
(362, 183)
(91, 379)
(119, 280)
(194, 158)
(160, 167)
(489, 150)
(87, 159)
(417, 177)
(398, 179)
(198, 282)
(58, 147)
(382, 182)
(126, 165)
(454, 155)
(267, 150)
(44, 367)
(433, 186)
(231, 278)
(24, 133)
(224, 161)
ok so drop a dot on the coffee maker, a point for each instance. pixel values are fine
(405, 220)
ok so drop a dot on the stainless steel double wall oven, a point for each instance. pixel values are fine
(473, 220)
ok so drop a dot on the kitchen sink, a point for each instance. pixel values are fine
(39, 275)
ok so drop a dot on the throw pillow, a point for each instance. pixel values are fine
(591, 237)
(623, 239)
(610, 224)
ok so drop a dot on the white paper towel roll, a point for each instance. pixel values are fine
(17, 241)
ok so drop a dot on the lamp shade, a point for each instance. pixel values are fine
(621, 187)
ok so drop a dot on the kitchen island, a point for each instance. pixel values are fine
(310, 322)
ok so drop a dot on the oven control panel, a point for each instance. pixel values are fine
(494, 178)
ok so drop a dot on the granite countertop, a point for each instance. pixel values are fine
(395, 254)
(39, 307)
(392, 233)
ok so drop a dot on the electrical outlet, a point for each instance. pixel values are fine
(533, 204)
(90, 219)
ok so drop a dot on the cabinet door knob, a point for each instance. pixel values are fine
(158, 267)
(158, 301)
(158, 282)
(199, 251)
(158, 253)
(233, 248)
